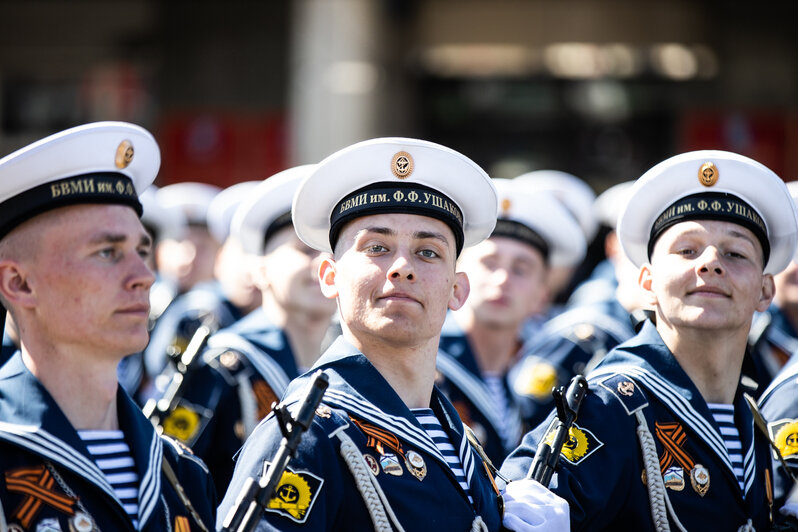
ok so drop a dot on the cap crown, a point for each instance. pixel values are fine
(686, 175)
(398, 161)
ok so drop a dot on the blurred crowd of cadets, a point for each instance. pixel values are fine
(205, 278)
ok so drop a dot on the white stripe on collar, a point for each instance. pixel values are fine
(269, 369)
(749, 462)
(373, 414)
(682, 408)
(42, 442)
(783, 376)
(399, 426)
(150, 487)
(466, 458)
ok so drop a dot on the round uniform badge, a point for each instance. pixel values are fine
(81, 522)
(293, 495)
(580, 444)
(372, 464)
(415, 459)
(416, 465)
(708, 174)
(626, 388)
(402, 165)
(229, 359)
(124, 154)
(699, 478)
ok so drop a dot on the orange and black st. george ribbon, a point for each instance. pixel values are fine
(37, 485)
(672, 437)
(264, 398)
(182, 524)
(379, 438)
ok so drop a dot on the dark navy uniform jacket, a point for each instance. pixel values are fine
(7, 349)
(181, 319)
(318, 491)
(247, 367)
(460, 380)
(601, 285)
(36, 439)
(600, 470)
(566, 346)
(779, 407)
(772, 341)
(130, 373)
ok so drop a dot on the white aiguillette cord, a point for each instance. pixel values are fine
(3, 524)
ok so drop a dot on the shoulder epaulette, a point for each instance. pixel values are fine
(184, 451)
(626, 390)
(332, 420)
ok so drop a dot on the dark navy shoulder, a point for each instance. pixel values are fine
(624, 389)
(586, 321)
(228, 363)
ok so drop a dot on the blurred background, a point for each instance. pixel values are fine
(238, 90)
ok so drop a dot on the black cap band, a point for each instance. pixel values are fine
(406, 198)
(100, 187)
(523, 233)
(284, 220)
(712, 206)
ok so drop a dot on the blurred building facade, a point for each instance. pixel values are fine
(237, 90)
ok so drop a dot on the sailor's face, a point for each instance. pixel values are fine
(394, 277)
(508, 281)
(787, 287)
(288, 271)
(707, 274)
(188, 261)
(92, 280)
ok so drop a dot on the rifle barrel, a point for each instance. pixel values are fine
(244, 516)
(567, 403)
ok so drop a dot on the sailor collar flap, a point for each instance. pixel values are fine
(32, 420)
(650, 364)
(376, 402)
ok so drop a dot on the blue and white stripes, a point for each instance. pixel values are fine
(681, 406)
(426, 417)
(724, 418)
(398, 425)
(270, 370)
(62, 454)
(112, 455)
